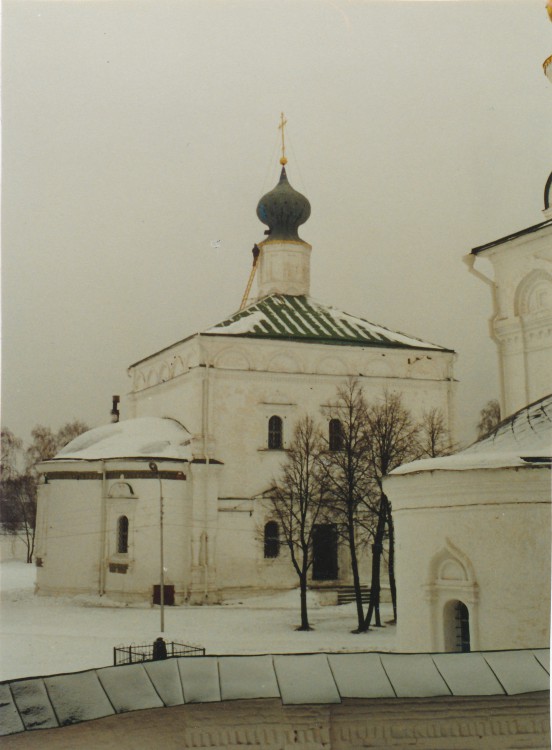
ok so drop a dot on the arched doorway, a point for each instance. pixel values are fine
(457, 626)
(453, 596)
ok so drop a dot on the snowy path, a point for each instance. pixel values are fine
(45, 635)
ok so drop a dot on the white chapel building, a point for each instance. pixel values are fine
(214, 412)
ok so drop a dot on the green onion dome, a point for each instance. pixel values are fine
(283, 210)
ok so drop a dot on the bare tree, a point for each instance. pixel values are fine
(349, 478)
(17, 492)
(46, 443)
(433, 437)
(489, 418)
(19, 477)
(297, 502)
(18, 509)
(11, 448)
(392, 440)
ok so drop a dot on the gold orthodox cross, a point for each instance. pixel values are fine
(281, 126)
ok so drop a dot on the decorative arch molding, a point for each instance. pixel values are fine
(451, 566)
(164, 373)
(139, 380)
(233, 358)
(150, 378)
(121, 490)
(284, 363)
(451, 578)
(378, 366)
(534, 293)
(332, 366)
(178, 366)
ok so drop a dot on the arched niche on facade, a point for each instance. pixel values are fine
(140, 380)
(284, 363)
(451, 583)
(150, 378)
(121, 490)
(232, 358)
(331, 366)
(534, 293)
(178, 366)
(377, 366)
(164, 373)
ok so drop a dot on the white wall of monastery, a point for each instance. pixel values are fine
(496, 722)
(479, 536)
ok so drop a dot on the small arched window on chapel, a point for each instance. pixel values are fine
(275, 432)
(122, 535)
(271, 539)
(335, 437)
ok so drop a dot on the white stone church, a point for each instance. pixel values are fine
(214, 413)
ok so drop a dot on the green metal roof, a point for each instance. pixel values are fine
(283, 316)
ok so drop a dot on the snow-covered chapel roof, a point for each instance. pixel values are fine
(285, 316)
(146, 437)
(525, 438)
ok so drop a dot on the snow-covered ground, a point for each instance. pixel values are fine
(42, 635)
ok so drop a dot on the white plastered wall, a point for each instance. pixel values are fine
(480, 536)
(77, 532)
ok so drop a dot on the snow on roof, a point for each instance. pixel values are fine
(299, 317)
(522, 439)
(295, 679)
(145, 437)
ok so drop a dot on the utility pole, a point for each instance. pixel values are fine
(154, 468)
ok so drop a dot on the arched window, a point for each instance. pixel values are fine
(122, 535)
(335, 438)
(271, 539)
(457, 626)
(275, 432)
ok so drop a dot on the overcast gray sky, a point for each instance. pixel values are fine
(135, 133)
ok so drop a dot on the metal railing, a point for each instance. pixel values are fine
(137, 653)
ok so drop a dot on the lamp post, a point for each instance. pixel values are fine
(154, 468)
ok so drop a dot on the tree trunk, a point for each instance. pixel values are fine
(27, 541)
(303, 593)
(392, 584)
(356, 576)
(377, 549)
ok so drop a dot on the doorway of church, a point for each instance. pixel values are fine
(168, 594)
(324, 552)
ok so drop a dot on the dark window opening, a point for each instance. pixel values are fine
(271, 539)
(457, 627)
(118, 568)
(122, 535)
(275, 432)
(335, 438)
